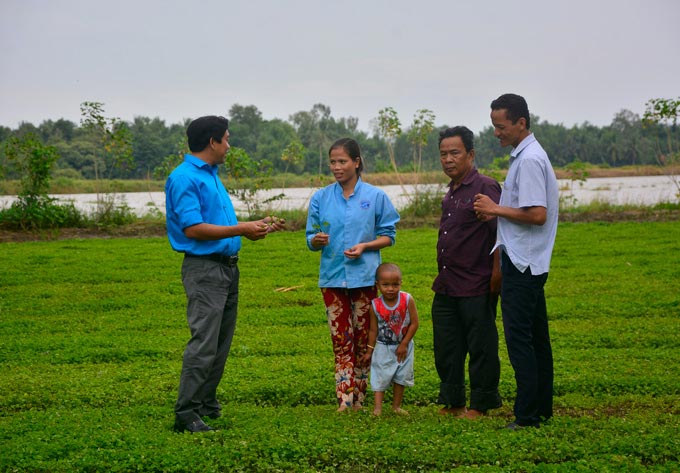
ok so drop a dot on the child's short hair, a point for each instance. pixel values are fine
(387, 267)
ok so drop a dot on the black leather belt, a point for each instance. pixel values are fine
(222, 259)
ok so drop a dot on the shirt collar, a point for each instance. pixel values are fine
(523, 144)
(357, 186)
(468, 179)
(199, 163)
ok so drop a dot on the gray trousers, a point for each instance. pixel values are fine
(212, 299)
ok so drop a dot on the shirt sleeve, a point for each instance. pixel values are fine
(312, 220)
(531, 191)
(493, 190)
(185, 201)
(386, 218)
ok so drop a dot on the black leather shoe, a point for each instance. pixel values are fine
(194, 426)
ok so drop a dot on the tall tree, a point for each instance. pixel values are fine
(152, 141)
(664, 114)
(313, 130)
(419, 134)
(627, 126)
(274, 137)
(245, 127)
(114, 138)
(388, 127)
(33, 161)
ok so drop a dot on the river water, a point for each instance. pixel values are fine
(636, 190)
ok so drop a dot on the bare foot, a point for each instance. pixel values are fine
(377, 412)
(454, 411)
(357, 407)
(472, 414)
(400, 411)
(342, 408)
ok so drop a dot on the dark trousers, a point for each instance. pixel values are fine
(525, 322)
(465, 325)
(212, 299)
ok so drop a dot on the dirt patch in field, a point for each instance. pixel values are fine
(134, 230)
(618, 410)
(157, 229)
(629, 171)
(642, 215)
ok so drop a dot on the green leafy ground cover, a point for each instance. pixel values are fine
(93, 330)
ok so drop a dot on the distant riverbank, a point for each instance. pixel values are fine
(64, 185)
(623, 190)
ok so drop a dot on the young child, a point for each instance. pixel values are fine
(394, 321)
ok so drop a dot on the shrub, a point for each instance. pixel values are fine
(40, 213)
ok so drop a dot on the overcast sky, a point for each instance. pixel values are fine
(574, 61)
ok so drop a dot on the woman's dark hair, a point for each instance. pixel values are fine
(202, 129)
(466, 136)
(514, 105)
(352, 149)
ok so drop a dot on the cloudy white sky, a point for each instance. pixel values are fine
(574, 61)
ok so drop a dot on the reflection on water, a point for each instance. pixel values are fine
(642, 190)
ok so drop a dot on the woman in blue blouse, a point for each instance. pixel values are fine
(349, 222)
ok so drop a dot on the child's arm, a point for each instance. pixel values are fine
(402, 349)
(372, 336)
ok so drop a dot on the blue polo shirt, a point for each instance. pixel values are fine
(365, 215)
(194, 194)
(530, 182)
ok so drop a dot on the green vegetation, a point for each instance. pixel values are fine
(665, 112)
(34, 209)
(628, 140)
(33, 161)
(93, 333)
(104, 153)
(69, 185)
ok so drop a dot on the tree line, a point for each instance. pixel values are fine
(300, 143)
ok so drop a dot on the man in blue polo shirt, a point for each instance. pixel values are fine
(527, 225)
(202, 224)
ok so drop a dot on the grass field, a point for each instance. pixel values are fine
(93, 331)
